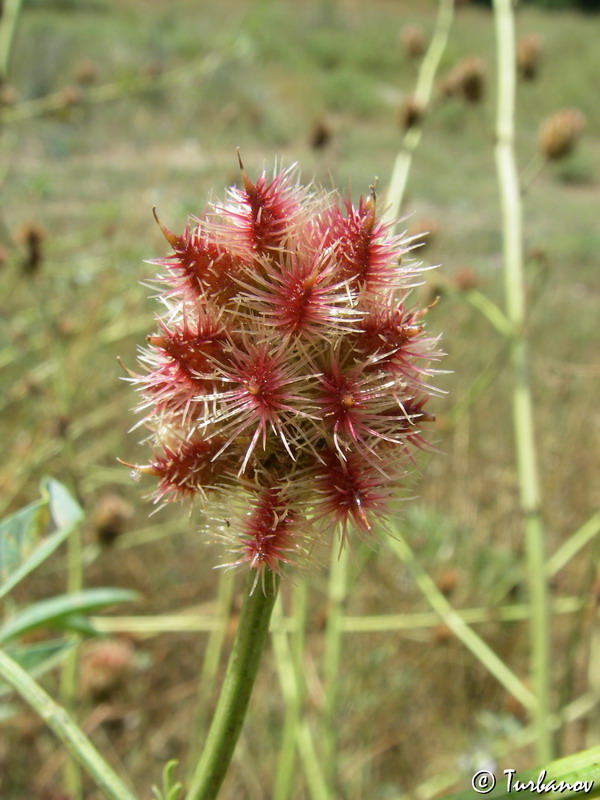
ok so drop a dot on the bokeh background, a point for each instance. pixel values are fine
(110, 108)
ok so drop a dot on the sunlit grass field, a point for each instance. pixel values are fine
(171, 90)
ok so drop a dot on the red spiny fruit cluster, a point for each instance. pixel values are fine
(288, 373)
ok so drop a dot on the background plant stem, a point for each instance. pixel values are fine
(68, 676)
(529, 491)
(338, 583)
(237, 686)
(422, 97)
(76, 743)
(8, 26)
(289, 658)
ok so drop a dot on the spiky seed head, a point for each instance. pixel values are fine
(286, 379)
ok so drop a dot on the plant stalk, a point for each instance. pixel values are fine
(76, 743)
(288, 656)
(338, 587)
(8, 26)
(237, 686)
(528, 481)
(210, 667)
(422, 96)
(68, 676)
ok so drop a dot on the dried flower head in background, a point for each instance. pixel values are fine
(466, 79)
(288, 374)
(320, 135)
(105, 666)
(559, 133)
(412, 40)
(110, 517)
(469, 75)
(31, 236)
(529, 49)
(410, 114)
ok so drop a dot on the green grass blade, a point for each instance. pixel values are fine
(22, 544)
(54, 611)
(38, 658)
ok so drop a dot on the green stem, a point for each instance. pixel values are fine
(68, 677)
(8, 26)
(76, 743)
(529, 491)
(237, 686)
(338, 584)
(291, 678)
(210, 666)
(422, 96)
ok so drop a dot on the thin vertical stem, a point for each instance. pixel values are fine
(529, 491)
(68, 677)
(422, 96)
(291, 677)
(8, 26)
(76, 743)
(210, 666)
(237, 686)
(338, 582)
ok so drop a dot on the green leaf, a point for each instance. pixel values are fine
(170, 789)
(37, 658)
(77, 623)
(23, 547)
(18, 534)
(59, 611)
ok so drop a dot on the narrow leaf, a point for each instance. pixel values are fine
(22, 544)
(52, 612)
(37, 658)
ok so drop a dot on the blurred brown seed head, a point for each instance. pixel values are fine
(320, 135)
(86, 72)
(105, 666)
(30, 236)
(529, 49)
(447, 85)
(441, 635)
(412, 40)
(447, 580)
(410, 114)
(71, 96)
(110, 517)
(465, 279)
(470, 79)
(558, 134)
(8, 94)
(66, 327)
